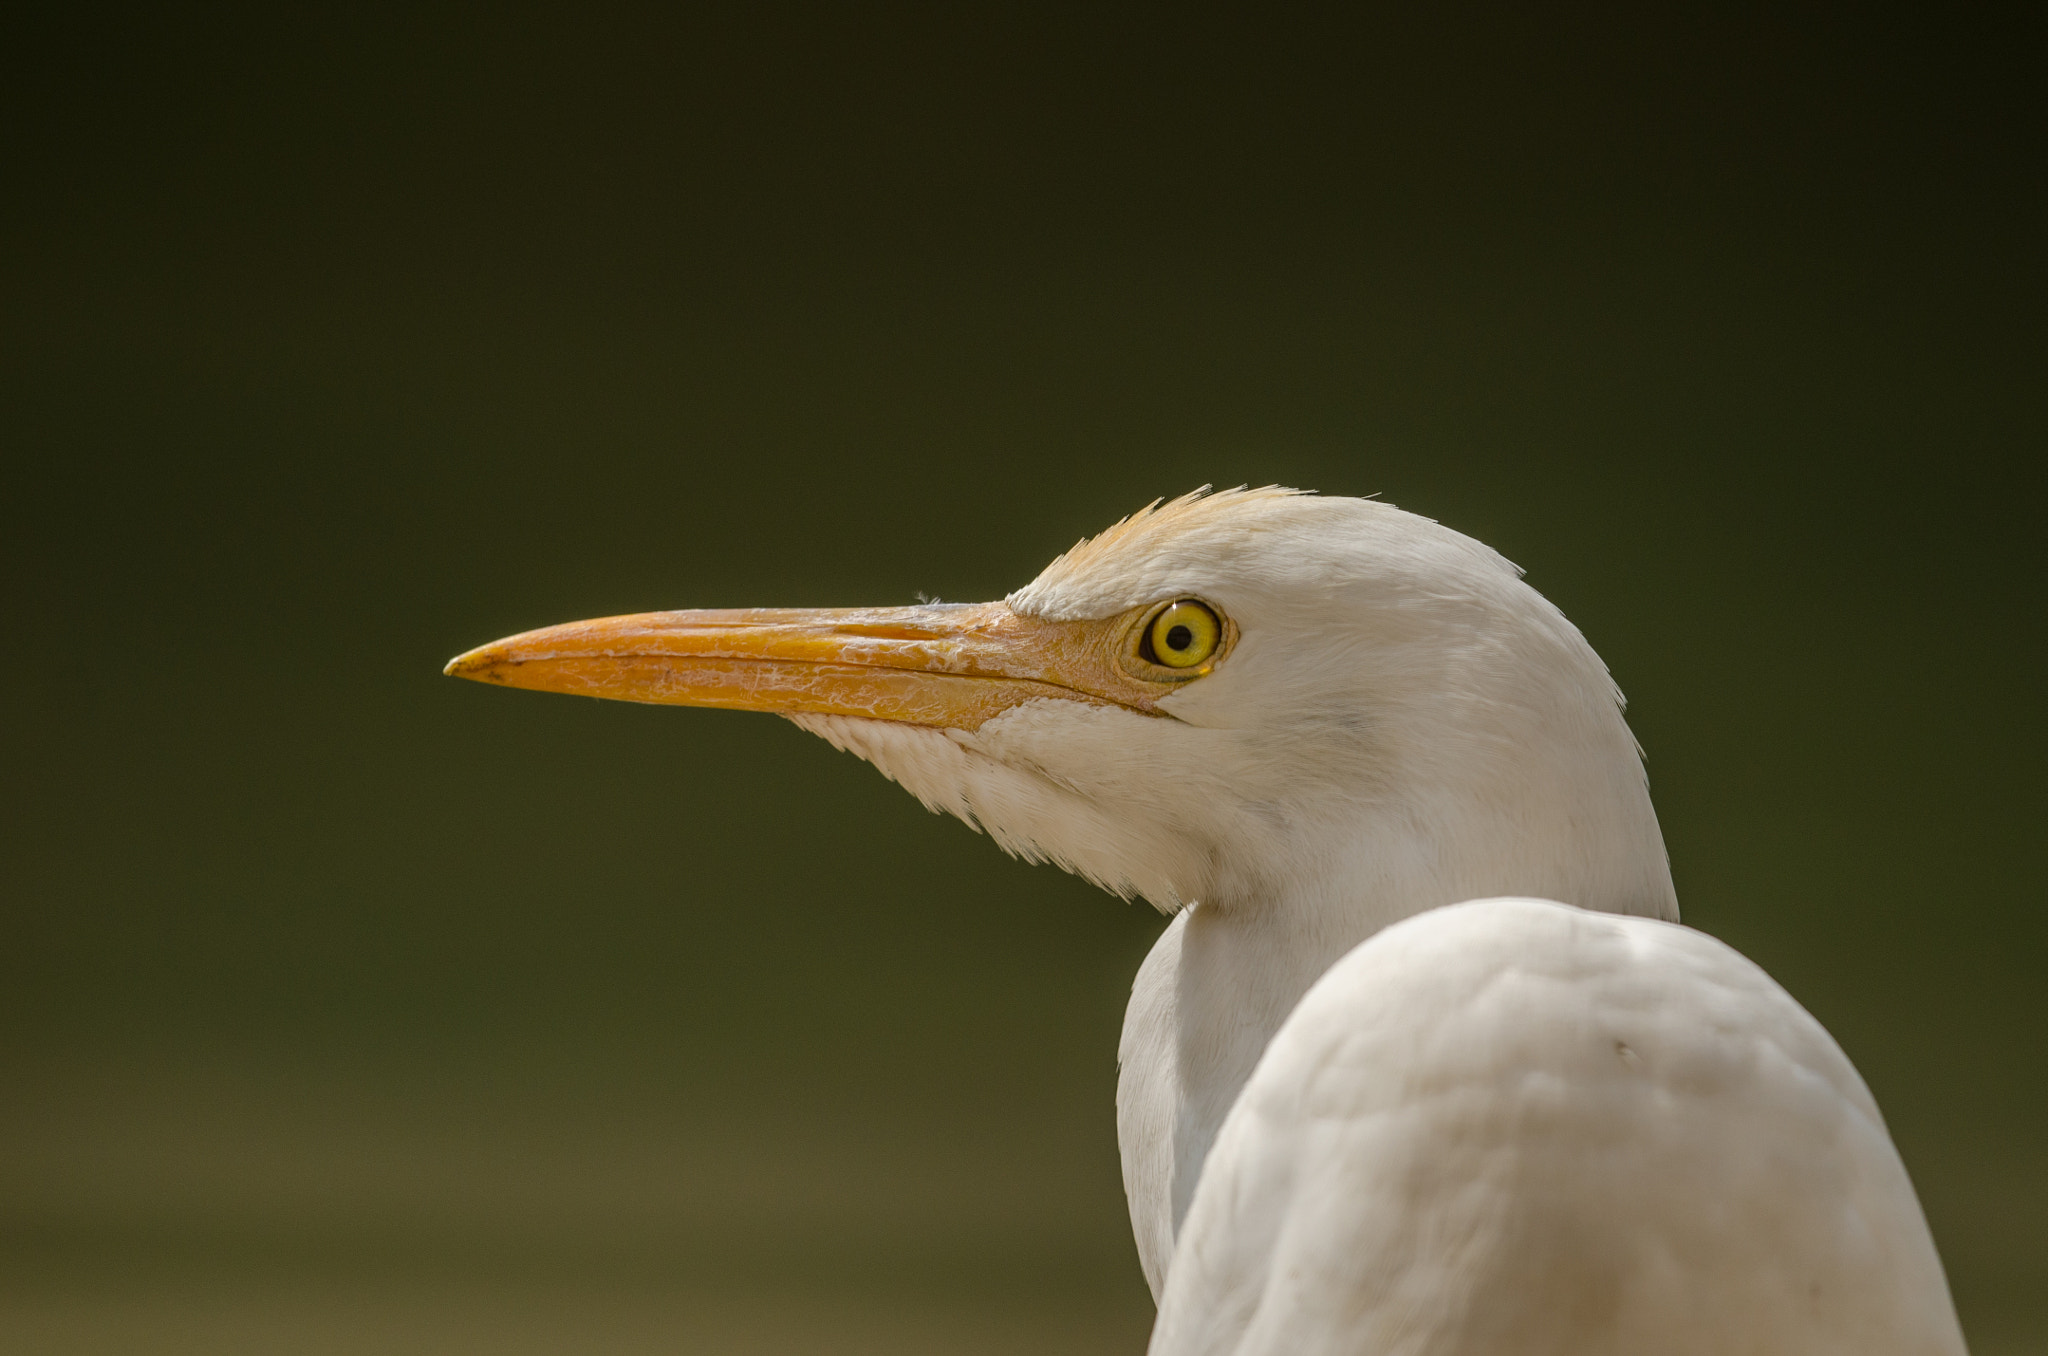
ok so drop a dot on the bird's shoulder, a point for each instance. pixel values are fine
(1495, 989)
(1512, 1124)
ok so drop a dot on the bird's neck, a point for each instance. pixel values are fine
(1238, 963)
(1241, 966)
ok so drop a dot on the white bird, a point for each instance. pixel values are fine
(1423, 1063)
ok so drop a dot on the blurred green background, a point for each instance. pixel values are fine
(344, 1008)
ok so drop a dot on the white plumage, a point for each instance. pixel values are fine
(1515, 1126)
(1507, 1125)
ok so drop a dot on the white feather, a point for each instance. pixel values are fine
(1515, 1126)
(1403, 724)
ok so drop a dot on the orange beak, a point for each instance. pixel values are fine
(946, 666)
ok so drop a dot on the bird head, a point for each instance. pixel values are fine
(1230, 698)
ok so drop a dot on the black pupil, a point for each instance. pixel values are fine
(1179, 638)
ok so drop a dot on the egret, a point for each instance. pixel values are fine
(1423, 1062)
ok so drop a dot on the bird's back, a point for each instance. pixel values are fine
(1511, 1126)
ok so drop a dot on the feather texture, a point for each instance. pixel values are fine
(1502, 1126)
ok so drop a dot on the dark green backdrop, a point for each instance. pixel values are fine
(347, 1008)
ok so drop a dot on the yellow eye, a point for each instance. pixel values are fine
(1184, 635)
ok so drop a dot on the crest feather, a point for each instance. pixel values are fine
(1160, 518)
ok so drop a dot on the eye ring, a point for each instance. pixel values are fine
(1182, 635)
